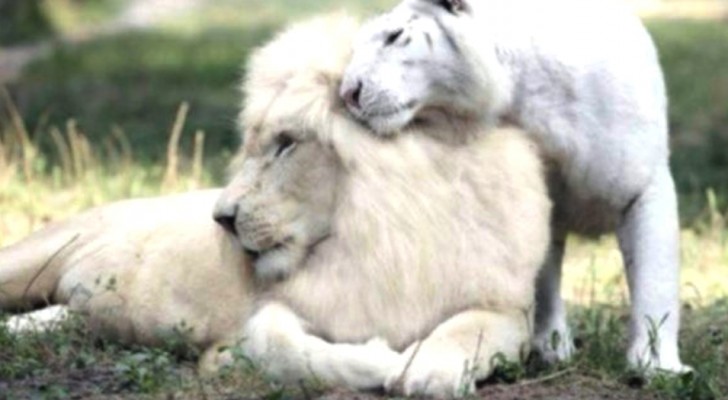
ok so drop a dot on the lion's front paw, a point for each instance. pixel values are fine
(436, 372)
(214, 359)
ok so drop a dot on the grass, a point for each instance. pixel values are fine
(132, 82)
(94, 123)
(70, 361)
(135, 90)
(37, 190)
(694, 56)
(137, 79)
(22, 22)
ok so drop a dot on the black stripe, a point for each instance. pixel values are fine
(450, 41)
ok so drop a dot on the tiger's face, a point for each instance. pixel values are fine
(406, 62)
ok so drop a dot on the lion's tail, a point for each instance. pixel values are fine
(30, 269)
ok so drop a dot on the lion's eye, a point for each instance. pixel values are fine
(284, 143)
(392, 37)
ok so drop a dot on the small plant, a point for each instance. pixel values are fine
(88, 128)
(688, 386)
(506, 371)
(145, 370)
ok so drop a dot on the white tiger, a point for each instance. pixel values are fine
(583, 78)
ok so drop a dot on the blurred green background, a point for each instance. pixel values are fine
(90, 92)
(127, 66)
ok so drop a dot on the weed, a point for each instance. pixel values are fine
(87, 125)
(144, 371)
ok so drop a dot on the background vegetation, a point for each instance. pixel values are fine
(22, 21)
(109, 112)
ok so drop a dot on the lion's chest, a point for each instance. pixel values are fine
(353, 312)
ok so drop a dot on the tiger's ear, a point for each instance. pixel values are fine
(454, 6)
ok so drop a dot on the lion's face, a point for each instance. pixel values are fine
(405, 62)
(280, 199)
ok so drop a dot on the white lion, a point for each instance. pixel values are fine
(583, 79)
(352, 241)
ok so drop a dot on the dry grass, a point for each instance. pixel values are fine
(35, 191)
(694, 9)
(83, 169)
(593, 271)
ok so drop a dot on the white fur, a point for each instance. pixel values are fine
(45, 319)
(582, 77)
(139, 270)
(395, 203)
(422, 244)
(275, 338)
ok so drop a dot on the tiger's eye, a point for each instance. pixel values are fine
(446, 4)
(452, 5)
(392, 37)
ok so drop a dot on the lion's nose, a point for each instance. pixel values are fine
(226, 217)
(352, 95)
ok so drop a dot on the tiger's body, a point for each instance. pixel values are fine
(583, 78)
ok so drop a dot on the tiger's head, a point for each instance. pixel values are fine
(421, 59)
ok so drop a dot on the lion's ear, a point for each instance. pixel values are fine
(454, 6)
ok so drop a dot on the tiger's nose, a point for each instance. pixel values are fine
(226, 217)
(352, 95)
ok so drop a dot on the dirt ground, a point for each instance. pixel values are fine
(104, 382)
